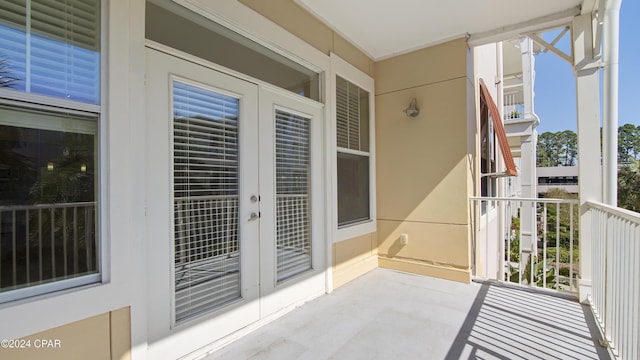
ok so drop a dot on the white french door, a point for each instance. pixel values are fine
(291, 228)
(234, 202)
(203, 243)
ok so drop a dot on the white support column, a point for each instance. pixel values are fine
(589, 164)
(528, 180)
(610, 102)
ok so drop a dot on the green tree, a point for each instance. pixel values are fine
(548, 149)
(628, 143)
(629, 186)
(557, 148)
(568, 146)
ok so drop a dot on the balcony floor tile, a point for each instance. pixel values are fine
(387, 314)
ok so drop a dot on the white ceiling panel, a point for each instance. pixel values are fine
(383, 28)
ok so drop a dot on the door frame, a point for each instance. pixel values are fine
(164, 335)
(179, 339)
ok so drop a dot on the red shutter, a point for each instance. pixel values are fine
(498, 128)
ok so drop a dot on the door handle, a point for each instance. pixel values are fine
(254, 216)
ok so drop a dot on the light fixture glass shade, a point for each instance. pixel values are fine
(412, 110)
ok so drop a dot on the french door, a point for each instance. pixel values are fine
(234, 201)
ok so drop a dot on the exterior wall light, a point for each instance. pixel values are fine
(412, 110)
(50, 166)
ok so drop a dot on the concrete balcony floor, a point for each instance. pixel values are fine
(392, 315)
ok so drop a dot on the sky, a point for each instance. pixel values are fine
(555, 91)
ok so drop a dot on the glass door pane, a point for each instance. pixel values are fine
(205, 164)
(293, 221)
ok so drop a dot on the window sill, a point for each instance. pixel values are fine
(354, 230)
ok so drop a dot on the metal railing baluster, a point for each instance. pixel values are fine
(64, 240)
(40, 270)
(75, 240)
(558, 245)
(52, 212)
(571, 286)
(544, 245)
(87, 237)
(14, 248)
(520, 243)
(27, 246)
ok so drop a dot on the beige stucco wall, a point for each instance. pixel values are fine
(424, 170)
(353, 258)
(298, 21)
(102, 337)
(423, 164)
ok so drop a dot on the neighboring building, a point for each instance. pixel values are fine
(557, 177)
(181, 172)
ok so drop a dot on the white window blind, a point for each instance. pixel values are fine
(292, 195)
(52, 47)
(207, 266)
(352, 119)
(352, 139)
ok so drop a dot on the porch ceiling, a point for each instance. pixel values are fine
(386, 28)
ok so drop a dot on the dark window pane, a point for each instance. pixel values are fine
(47, 198)
(353, 189)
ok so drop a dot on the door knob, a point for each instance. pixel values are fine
(254, 216)
(253, 198)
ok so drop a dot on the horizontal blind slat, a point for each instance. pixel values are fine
(205, 159)
(292, 194)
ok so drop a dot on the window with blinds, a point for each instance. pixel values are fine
(352, 116)
(205, 135)
(51, 47)
(49, 195)
(352, 139)
(293, 220)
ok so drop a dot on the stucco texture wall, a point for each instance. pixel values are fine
(298, 21)
(423, 167)
(354, 257)
(102, 337)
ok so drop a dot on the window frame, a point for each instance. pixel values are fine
(17, 99)
(342, 68)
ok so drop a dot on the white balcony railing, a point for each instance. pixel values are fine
(615, 250)
(532, 242)
(513, 107)
(46, 242)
